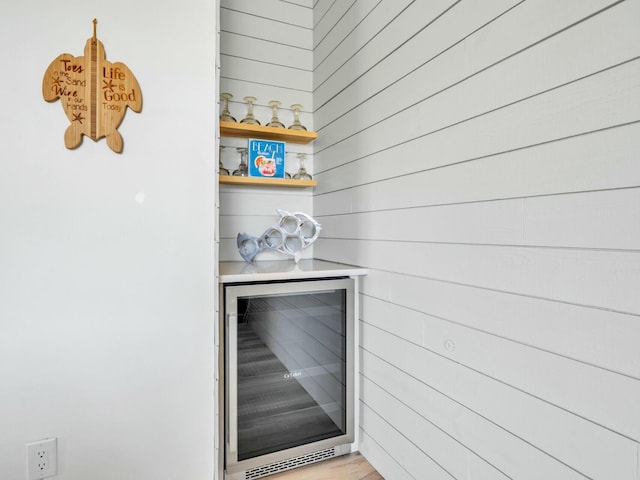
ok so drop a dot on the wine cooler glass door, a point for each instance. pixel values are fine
(289, 366)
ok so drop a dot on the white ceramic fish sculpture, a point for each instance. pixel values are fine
(290, 235)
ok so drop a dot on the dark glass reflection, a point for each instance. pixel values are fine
(291, 370)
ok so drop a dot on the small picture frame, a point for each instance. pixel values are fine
(266, 158)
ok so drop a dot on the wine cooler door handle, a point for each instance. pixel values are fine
(232, 385)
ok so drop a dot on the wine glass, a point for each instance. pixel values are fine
(223, 171)
(250, 119)
(302, 173)
(243, 168)
(275, 121)
(226, 114)
(296, 125)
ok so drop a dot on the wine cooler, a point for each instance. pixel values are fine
(288, 376)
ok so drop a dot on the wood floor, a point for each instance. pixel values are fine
(346, 467)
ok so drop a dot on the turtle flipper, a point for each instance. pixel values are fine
(72, 137)
(114, 140)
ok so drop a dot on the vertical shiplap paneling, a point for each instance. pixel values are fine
(481, 160)
(265, 52)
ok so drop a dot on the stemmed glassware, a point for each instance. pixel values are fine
(275, 121)
(302, 173)
(223, 171)
(296, 125)
(226, 114)
(250, 119)
(243, 168)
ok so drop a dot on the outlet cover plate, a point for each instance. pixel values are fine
(42, 459)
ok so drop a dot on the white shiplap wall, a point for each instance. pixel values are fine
(482, 159)
(266, 51)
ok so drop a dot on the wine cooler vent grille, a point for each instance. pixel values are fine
(290, 463)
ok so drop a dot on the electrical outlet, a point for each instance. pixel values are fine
(42, 459)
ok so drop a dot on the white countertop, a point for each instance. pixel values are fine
(232, 272)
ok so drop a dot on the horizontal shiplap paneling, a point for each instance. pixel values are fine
(266, 73)
(452, 456)
(262, 201)
(452, 78)
(328, 19)
(597, 337)
(539, 130)
(302, 3)
(481, 161)
(296, 13)
(390, 54)
(380, 15)
(590, 449)
(504, 450)
(341, 29)
(601, 219)
(320, 9)
(416, 462)
(556, 274)
(387, 466)
(570, 165)
(265, 52)
(606, 100)
(241, 46)
(281, 26)
(571, 385)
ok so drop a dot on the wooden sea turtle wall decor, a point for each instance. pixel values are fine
(94, 94)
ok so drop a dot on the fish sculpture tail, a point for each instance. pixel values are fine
(248, 246)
